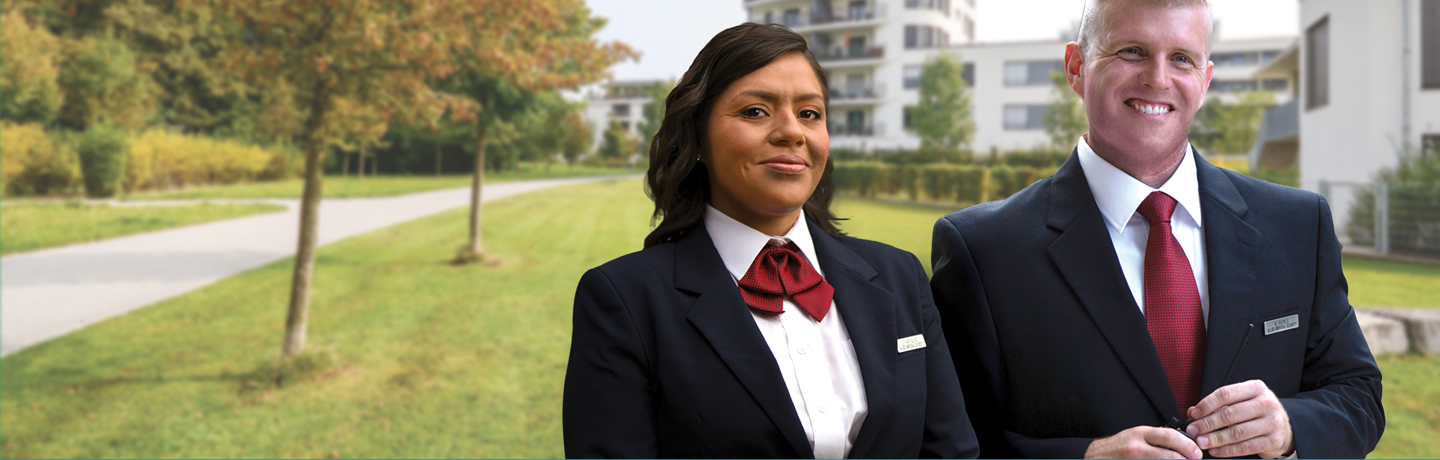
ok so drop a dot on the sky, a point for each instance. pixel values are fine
(669, 33)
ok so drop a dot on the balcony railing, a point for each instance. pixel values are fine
(854, 52)
(859, 130)
(848, 93)
(848, 15)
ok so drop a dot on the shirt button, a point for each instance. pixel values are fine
(803, 350)
(824, 409)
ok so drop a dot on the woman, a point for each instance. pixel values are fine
(749, 326)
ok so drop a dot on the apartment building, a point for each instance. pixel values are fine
(1369, 86)
(623, 101)
(873, 52)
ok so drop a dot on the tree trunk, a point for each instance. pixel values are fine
(437, 158)
(299, 310)
(360, 172)
(344, 166)
(475, 246)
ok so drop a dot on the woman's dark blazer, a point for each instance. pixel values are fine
(666, 359)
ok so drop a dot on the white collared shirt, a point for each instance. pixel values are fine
(816, 358)
(1119, 197)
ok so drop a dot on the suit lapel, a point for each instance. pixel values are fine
(1085, 257)
(869, 315)
(1232, 253)
(723, 319)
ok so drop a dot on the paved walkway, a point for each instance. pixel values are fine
(50, 293)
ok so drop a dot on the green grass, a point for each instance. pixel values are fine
(407, 356)
(374, 186)
(1412, 407)
(1380, 283)
(33, 225)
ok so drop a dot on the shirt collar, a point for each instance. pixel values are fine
(738, 244)
(1119, 195)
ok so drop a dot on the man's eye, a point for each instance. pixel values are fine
(1184, 60)
(753, 112)
(1130, 53)
(810, 114)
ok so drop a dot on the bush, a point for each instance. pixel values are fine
(34, 163)
(969, 183)
(103, 150)
(162, 160)
(966, 184)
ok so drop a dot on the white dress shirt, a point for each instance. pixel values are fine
(1119, 197)
(816, 358)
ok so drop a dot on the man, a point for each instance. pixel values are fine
(1095, 312)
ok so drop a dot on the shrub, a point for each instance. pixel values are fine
(103, 150)
(969, 183)
(161, 159)
(34, 163)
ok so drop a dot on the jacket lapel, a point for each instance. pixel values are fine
(869, 315)
(723, 319)
(1233, 255)
(1085, 257)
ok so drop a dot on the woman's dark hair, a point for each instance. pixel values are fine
(677, 181)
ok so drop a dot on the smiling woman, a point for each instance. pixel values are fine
(749, 326)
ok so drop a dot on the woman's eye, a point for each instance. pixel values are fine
(752, 112)
(810, 114)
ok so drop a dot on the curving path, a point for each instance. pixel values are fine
(50, 293)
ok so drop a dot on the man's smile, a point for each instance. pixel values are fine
(1149, 107)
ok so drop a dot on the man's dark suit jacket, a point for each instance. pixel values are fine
(1053, 350)
(666, 359)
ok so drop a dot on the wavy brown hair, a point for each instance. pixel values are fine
(677, 181)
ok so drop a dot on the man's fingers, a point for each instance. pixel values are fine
(1225, 396)
(1236, 433)
(1170, 442)
(1251, 446)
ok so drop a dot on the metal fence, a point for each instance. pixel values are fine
(1385, 217)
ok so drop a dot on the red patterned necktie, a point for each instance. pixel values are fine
(778, 272)
(1172, 303)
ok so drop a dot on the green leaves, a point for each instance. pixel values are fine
(943, 119)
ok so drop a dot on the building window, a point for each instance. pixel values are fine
(1031, 73)
(1430, 145)
(912, 76)
(908, 122)
(1232, 86)
(925, 37)
(620, 110)
(1025, 117)
(968, 74)
(769, 18)
(792, 17)
(1430, 44)
(1317, 64)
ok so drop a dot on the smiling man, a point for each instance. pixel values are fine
(1143, 303)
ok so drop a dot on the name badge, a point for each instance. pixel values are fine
(1282, 324)
(913, 342)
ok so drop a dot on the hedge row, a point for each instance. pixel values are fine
(966, 184)
(36, 162)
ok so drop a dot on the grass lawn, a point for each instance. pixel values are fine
(372, 186)
(31, 226)
(407, 356)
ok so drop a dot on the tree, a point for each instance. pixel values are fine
(366, 57)
(654, 111)
(1066, 120)
(616, 142)
(1231, 128)
(577, 136)
(29, 92)
(942, 118)
(102, 81)
(530, 46)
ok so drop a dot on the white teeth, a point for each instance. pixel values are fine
(1151, 109)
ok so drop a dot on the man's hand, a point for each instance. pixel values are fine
(1242, 419)
(1144, 442)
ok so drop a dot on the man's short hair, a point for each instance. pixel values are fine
(1095, 19)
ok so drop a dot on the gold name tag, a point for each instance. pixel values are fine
(913, 342)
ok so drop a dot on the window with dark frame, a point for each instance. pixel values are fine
(967, 73)
(1430, 44)
(912, 76)
(909, 122)
(1317, 65)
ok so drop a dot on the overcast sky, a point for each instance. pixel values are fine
(669, 33)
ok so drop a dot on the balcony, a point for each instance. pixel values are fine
(820, 21)
(856, 95)
(855, 130)
(851, 53)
